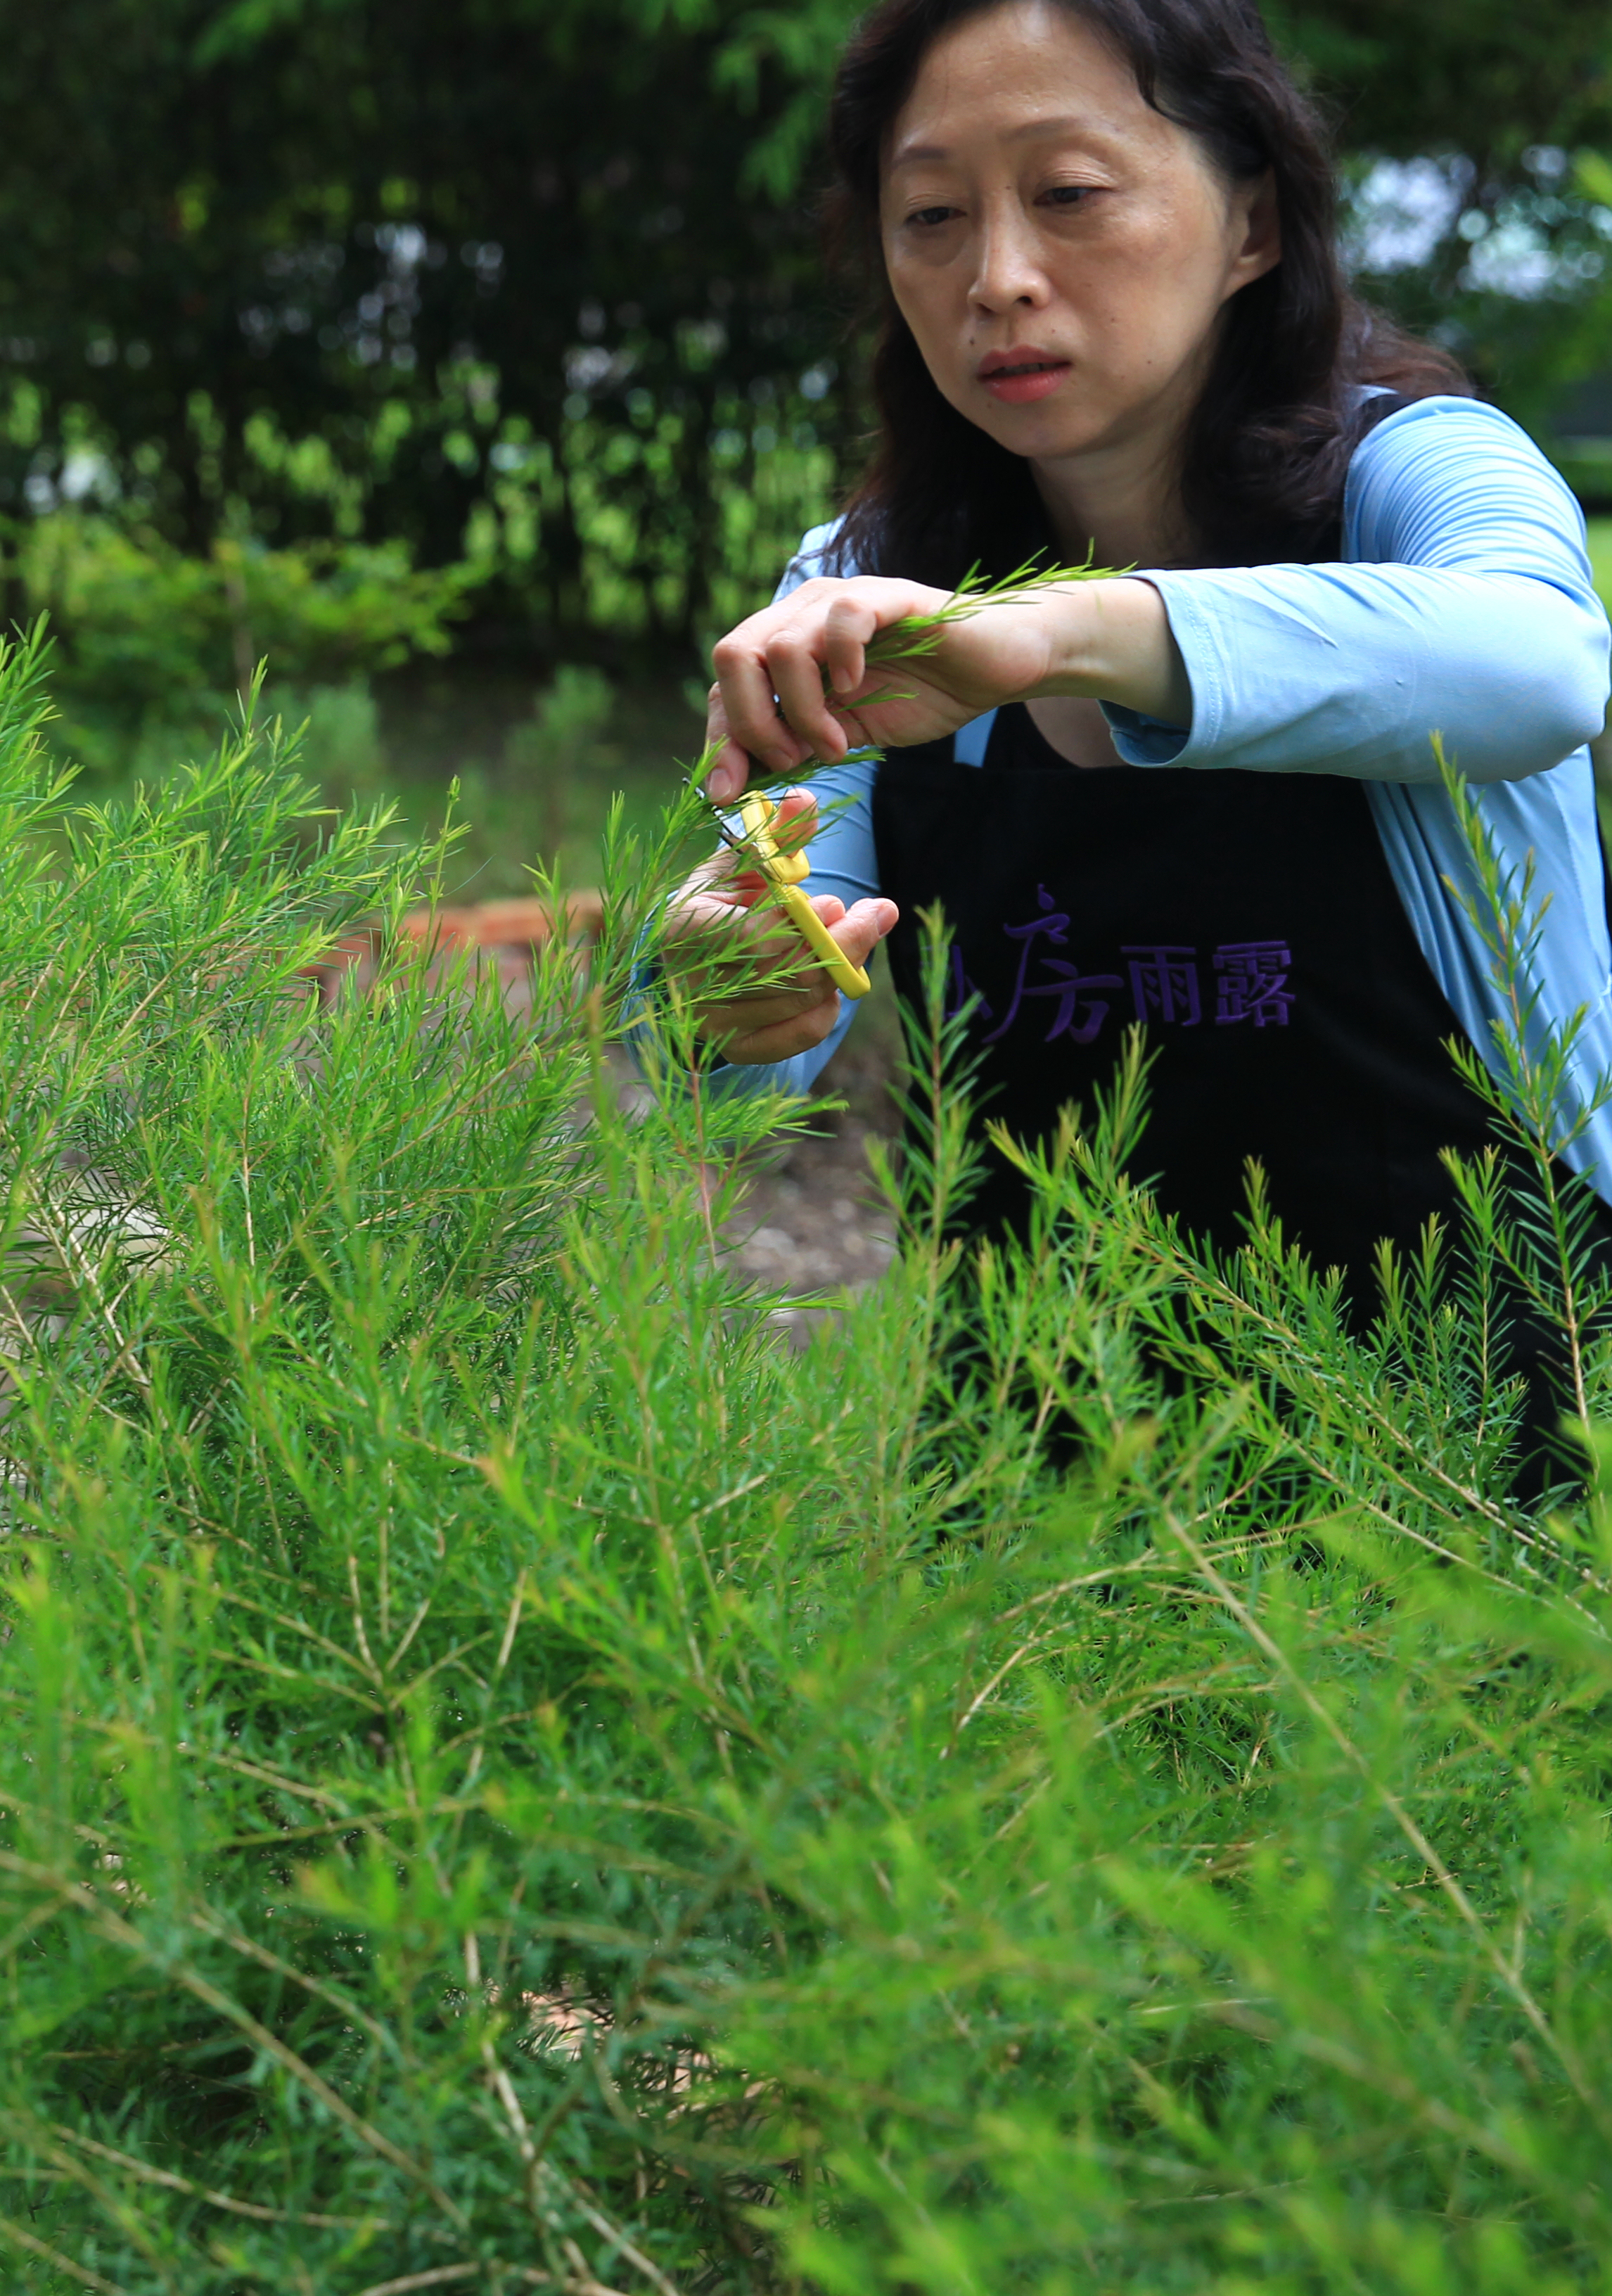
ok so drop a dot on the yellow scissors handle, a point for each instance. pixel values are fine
(784, 873)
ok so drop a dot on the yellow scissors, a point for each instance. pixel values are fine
(785, 874)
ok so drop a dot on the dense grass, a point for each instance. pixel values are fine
(1082, 1779)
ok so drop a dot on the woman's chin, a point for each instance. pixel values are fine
(1045, 431)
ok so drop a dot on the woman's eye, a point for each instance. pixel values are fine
(1069, 195)
(928, 218)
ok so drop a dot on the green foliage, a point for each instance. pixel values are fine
(559, 742)
(484, 284)
(340, 746)
(1082, 1778)
(538, 284)
(1600, 556)
(148, 632)
(139, 618)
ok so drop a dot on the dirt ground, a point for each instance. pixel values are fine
(813, 1220)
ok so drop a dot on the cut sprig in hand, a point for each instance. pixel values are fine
(913, 636)
(807, 681)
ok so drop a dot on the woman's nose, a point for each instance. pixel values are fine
(1008, 268)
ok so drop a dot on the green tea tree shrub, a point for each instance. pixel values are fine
(156, 645)
(1082, 1778)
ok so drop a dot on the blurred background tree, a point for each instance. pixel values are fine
(513, 311)
(480, 280)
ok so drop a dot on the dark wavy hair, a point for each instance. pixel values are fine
(1269, 442)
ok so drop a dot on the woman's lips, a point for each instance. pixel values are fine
(1016, 383)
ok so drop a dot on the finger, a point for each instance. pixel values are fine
(746, 686)
(729, 770)
(712, 892)
(762, 954)
(861, 928)
(848, 626)
(784, 997)
(732, 1021)
(726, 778)
(856, 932)
(795, 674)
(725, 953)
(796, 822)
(780, 1040)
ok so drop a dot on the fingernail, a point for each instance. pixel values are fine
(719, 782)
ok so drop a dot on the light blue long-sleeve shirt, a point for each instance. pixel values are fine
(1463, 605)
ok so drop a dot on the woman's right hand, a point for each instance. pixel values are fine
(723, 926)
(794, 682)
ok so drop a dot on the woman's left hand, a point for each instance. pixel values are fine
(722, 928)
(794, 683)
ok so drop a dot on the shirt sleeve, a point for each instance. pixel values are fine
(1465, 608)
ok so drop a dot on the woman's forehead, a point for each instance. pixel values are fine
(1024, 73)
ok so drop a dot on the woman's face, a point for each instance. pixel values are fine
(1061, 250)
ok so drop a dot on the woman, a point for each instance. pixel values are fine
(1203, 795)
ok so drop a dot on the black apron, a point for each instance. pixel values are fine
(1250, 923)
(1247, 921)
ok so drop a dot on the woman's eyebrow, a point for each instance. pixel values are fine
(912, 155)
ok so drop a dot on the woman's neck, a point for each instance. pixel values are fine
(1124, 507)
